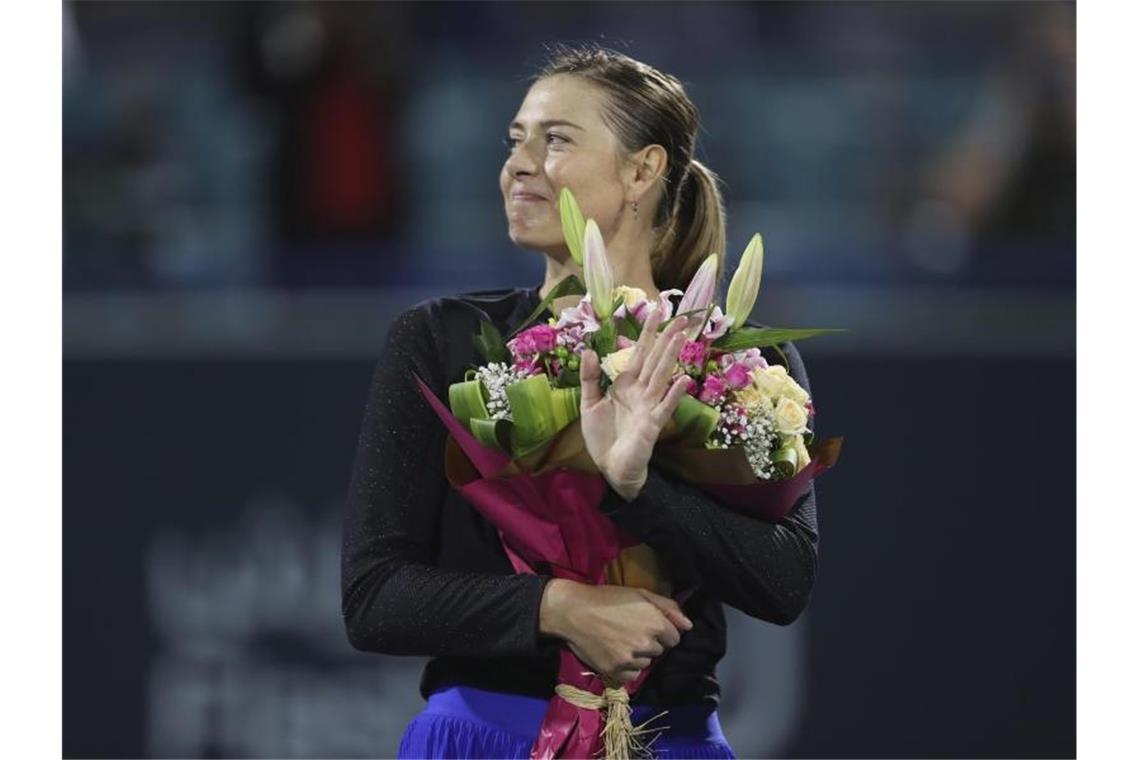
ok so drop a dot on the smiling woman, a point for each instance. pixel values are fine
(621, 135)
(424, 574)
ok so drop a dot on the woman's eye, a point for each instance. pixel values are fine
(510, 143)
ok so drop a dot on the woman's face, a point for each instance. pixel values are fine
(557, 139)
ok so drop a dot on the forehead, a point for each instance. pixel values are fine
(563, 98)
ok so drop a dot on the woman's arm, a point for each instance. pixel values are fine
(394, 600)
(764, 569)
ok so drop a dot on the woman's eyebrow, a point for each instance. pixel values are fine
(548, 123)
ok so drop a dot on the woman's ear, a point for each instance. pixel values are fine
(645, 168)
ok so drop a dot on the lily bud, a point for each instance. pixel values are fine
(745, 283)
(599, 276)
(699, 295)
(573, 224)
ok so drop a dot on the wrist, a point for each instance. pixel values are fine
(628, 491)
(553, 619)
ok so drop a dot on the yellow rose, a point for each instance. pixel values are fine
(790, 416)
(614, 363)
(630, 296)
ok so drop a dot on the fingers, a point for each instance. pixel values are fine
(590, 370)
(653, 647)
(644, 342)
(661, 345)
(626, 676)
(666, 366)
(670, 608)
(664, 410)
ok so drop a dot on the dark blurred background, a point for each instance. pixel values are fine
(253, 190)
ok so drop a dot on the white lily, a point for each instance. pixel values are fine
(599, 276)
(699, 295)
(573, 224)
(745, 283)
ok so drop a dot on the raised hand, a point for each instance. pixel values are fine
(620, 428)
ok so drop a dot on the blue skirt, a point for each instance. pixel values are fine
(464, 722)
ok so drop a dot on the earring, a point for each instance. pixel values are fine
(635, 209)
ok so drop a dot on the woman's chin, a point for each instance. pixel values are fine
(533, 239)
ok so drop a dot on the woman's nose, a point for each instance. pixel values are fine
(522, 161)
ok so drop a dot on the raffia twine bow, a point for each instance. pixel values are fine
(621, 740)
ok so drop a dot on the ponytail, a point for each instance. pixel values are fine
(695, 229)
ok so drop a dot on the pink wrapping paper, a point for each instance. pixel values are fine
(552, 520)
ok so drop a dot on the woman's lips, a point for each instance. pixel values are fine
(526, 197)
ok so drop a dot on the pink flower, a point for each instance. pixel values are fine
(544, 336)
(624, 342)
(693, 353)
(713, 389)
(739, 415)
(694, 388)
(582, 314)
(522, 345)
(716, 326)
(573, 337)
(533, 340)
(530, 365)
(752, 359)
(555, 366)
(738, 375)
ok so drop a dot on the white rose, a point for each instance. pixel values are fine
(795, 392)
(790, 417)
(771, 381)
(752, 398)
(614, 363)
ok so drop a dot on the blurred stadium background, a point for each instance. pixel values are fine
(253, 190)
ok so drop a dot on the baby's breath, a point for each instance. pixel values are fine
(495, 377)
(751, 428)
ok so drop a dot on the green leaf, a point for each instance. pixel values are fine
(695, 420)
(628, 328)
(568, 286)
(604, 339)
(493, 433)
(531, 409)
(467, 402)
(490, 345)
(567, 378)
(756, 337)
(565, 406)
(784, 459)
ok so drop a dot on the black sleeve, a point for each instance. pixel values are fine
(394, 600)
(765, 570)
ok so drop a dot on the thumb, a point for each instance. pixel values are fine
(589, 373)
(670, 609)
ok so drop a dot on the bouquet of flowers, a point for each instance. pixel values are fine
(515, 450)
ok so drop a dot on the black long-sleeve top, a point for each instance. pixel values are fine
(422, 573)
